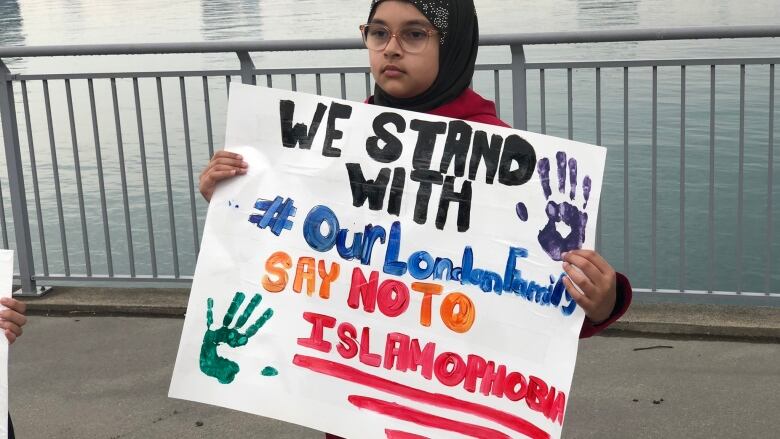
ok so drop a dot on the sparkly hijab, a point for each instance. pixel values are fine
(456, 21)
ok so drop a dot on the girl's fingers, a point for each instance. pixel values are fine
(577, 276)
(16, 305)
(222, 167)
(596, 259)
(219, 175)
(582, 300)
(10, 326)
(225, 158)
(226, 154)
(220, 172)
(12, 319)
(229, 162)
(588, 269)
(12, 316)
(597, 283)
(226, 168)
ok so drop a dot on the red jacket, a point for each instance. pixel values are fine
(468, 106)
(472, 107)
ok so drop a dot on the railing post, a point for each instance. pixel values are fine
(519, 84)
(247, 68)
(13, 160)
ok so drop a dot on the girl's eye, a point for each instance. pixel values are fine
(416, 34)
(377, 33)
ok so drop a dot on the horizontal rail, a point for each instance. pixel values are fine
(676, 62)
(184, 281)
(706, 293)
(533, 38)
(191, 73)
(126, 75)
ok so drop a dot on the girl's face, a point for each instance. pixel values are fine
(399, 73)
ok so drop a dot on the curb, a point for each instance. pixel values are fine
(662, 320)
(692, 331)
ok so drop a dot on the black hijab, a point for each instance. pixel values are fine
(456, 21)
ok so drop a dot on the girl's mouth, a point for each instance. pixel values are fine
(392, 71)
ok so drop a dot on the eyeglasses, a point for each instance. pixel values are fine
(413, 39)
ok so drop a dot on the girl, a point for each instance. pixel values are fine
(422, 55)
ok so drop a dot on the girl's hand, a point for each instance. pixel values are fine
(223, 165)
(12, 319)
(596, 280)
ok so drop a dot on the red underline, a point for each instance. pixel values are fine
(396, 434)
(425, 419)
(353, 375)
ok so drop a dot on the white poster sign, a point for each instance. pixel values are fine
(387, 274)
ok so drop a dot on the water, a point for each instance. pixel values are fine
(40, 22)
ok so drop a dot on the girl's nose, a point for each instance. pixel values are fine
(393, 47)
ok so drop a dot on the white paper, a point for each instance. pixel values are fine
(6, 285)
(327, 382)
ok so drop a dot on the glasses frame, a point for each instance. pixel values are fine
(400, 41)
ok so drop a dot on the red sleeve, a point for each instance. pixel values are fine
(622, 301)
(488, 119)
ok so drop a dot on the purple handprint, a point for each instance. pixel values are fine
(550, 238)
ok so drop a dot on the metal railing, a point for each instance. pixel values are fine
(108, 211)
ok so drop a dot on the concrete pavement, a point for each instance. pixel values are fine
(107, 377)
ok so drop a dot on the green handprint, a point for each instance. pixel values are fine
(212, 364)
